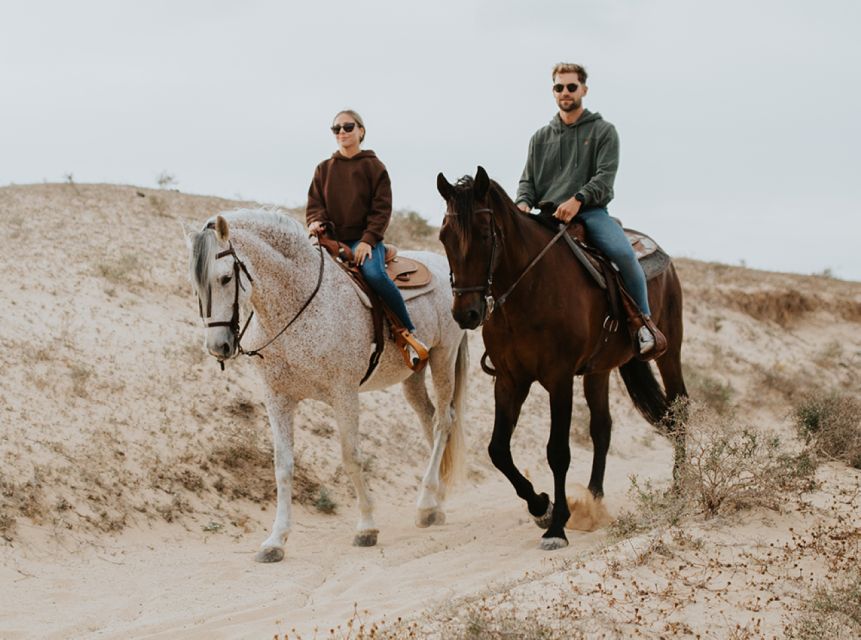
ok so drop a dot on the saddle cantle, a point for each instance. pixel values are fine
(406, 273)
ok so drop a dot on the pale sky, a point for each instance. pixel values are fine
(738, 120)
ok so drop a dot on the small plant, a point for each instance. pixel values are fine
(712, 392)
(213, 527)
(324, 502)
(830, 422)
(165, 180)
(119, 271)
(653, 508)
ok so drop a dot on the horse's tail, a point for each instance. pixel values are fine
(453, 458)
(646, 394)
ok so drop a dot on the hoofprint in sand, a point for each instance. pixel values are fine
(137, 480)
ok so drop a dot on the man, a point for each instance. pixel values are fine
(572, 162)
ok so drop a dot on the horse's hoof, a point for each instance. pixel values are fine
(545, 520)
(367, 538)
(270, 554)
(551, 544)
(428, 517)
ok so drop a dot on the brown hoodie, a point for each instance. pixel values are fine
(355, 194)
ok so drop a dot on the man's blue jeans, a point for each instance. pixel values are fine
(374, 271)
(606, 234)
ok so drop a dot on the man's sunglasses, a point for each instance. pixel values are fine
(572, 87)
(348, 127)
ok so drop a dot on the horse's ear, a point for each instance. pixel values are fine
(221, 230)
(444, 187)
(481, 184)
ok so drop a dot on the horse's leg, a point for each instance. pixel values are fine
(346, 407)
(447, 446)
(559, 458)
(596, 391)
(415, 391)
(280, 412)
(509, 397)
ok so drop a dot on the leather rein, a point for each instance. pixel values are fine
(233, 323)
(494, 303)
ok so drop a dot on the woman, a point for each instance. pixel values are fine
(352, 191)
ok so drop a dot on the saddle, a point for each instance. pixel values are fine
(406, 274)
(652, 259)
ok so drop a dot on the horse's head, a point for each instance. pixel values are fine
(471, 239)
(222, 284)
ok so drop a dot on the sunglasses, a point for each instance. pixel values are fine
(572, 87)
(348, 127)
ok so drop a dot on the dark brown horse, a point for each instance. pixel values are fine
(549, 329)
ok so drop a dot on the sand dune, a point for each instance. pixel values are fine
(136, 483)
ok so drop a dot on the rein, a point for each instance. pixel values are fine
(233, 323)
(494, 303)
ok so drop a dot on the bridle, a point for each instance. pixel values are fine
(233, 323)
(494, 303)
(485, 289)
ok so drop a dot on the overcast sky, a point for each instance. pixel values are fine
(739, 119)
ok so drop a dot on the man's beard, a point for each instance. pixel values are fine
(572, 105)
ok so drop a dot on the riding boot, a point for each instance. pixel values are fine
(660, 344)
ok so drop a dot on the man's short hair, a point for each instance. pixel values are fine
(570, 67)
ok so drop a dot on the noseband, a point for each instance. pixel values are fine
(233, 323)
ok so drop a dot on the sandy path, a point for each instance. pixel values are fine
(162, 584)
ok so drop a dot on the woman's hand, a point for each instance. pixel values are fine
(362, 253)
(316, 228)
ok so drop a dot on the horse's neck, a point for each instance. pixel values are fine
(285, 272)
(521, 244)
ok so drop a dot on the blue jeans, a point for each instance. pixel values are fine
(606, 234)
(374, 271)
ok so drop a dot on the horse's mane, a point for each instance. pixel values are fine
(204, 244)
(464, 203)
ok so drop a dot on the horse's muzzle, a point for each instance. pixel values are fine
(469, 316)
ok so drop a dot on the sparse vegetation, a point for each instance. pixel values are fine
(408, 230)
(707, 389)
(833, 611)
(324, 502)
(120, 271)
(165, 180)
(831, 423)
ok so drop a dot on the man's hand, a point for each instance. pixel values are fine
(525, 208)
(316, 228)
(566, 211)
(362, 253)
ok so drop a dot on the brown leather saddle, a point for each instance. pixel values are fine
(405, 272)
(652, 259)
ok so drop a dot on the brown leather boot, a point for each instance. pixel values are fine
(653, 344)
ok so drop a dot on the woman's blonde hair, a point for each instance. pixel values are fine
(355, 116)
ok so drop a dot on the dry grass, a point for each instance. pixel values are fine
(830, 421)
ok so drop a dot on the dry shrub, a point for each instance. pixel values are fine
(731, 466)
(408, 230)
(830, 422)
(710, 391)
(727, 466)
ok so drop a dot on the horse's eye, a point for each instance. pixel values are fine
(224, 280)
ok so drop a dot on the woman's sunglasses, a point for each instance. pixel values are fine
(348, 127)
(572, 87)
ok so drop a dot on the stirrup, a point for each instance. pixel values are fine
(409, 343)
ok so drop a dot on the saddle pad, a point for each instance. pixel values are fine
(651, 257)
(407, 273)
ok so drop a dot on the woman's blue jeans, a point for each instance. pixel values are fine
(374, 271)
(607, 235)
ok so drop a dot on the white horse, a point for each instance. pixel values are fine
(265, 261)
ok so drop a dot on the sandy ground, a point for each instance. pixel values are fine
(136, 487)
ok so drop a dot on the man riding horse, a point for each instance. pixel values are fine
(572, 162)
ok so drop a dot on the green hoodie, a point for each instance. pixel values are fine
(564, 160)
